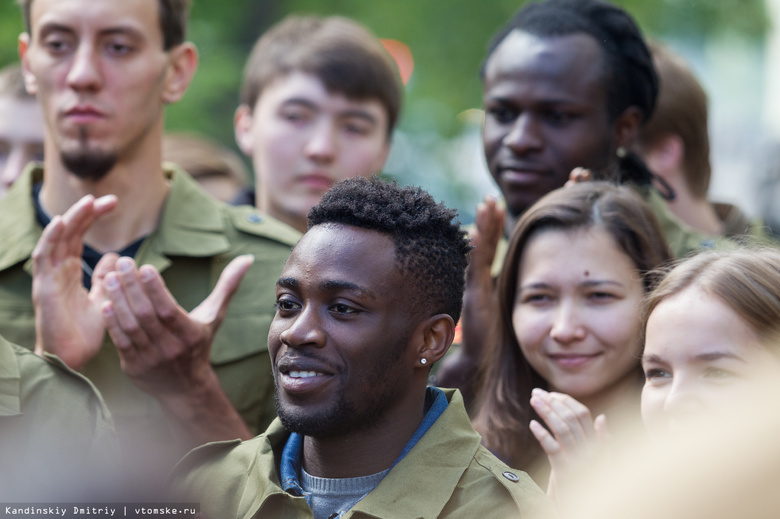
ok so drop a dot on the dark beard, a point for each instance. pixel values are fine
(320, 425)
(88, 164)
(339, 419)
(343, 416)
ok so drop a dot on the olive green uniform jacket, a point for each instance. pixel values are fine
(448, 473)
(196, 238)
(57, 440)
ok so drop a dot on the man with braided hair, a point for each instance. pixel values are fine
(567, 84)
(366, 304)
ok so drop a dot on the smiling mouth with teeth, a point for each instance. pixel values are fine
(304, 374)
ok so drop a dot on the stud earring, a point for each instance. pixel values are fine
(620, 152)
(423, 361)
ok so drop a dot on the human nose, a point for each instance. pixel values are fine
(321, 145)
(304, 330)
(524, 137)
(567, 326)
(84, 72)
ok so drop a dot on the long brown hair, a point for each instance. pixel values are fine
(502, 409)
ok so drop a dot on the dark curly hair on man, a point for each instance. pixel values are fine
(430, 246)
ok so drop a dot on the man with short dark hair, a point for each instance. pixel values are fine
(319, 102)
(103, 72)
(366, 304)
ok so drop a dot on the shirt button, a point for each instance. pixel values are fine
(511, 476)
(254, 218)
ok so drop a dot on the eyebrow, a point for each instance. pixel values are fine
(702, 357)
(54, 27)
(333, 286)
(599, 282)
(652, 358)
(588, 283)
(553, 101)
(328, 286)
(49, 27)
(290, 283)
(716, 355)
(352, 112)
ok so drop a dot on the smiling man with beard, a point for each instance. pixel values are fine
(366, 304)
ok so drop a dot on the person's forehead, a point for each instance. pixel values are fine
(142, 16)
(299, 84)
(559, 61)
(345, 253)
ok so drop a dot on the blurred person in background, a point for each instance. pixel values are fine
(675, 145)
(217, 168)
(319, 102)
(21, 127)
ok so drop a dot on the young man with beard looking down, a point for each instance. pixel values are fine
(103, 72)
(366, 304)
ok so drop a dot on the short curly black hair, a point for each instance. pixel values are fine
(430, 246)
(631, 78)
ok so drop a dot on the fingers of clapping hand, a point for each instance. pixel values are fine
(569, 421)
(64, 235)
(129, 315)
(487, 233)
(212, 309)
(549, 444)
(602, 431)
(578, 175)
(79, 218)
(105, 265)
(48, 245)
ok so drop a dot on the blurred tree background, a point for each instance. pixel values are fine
(447, 40)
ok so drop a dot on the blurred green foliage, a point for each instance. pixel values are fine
(447, 39)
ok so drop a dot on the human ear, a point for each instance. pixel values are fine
(665, 157)
(438, 332)
(242, 127)
(181, 68)
(626, 127)
(30, 84)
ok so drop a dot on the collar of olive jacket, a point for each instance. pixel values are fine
(192, 224)
(246, 474)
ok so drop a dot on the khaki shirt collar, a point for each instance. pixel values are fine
(20, 231)
(432, 468)
(192, 223)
